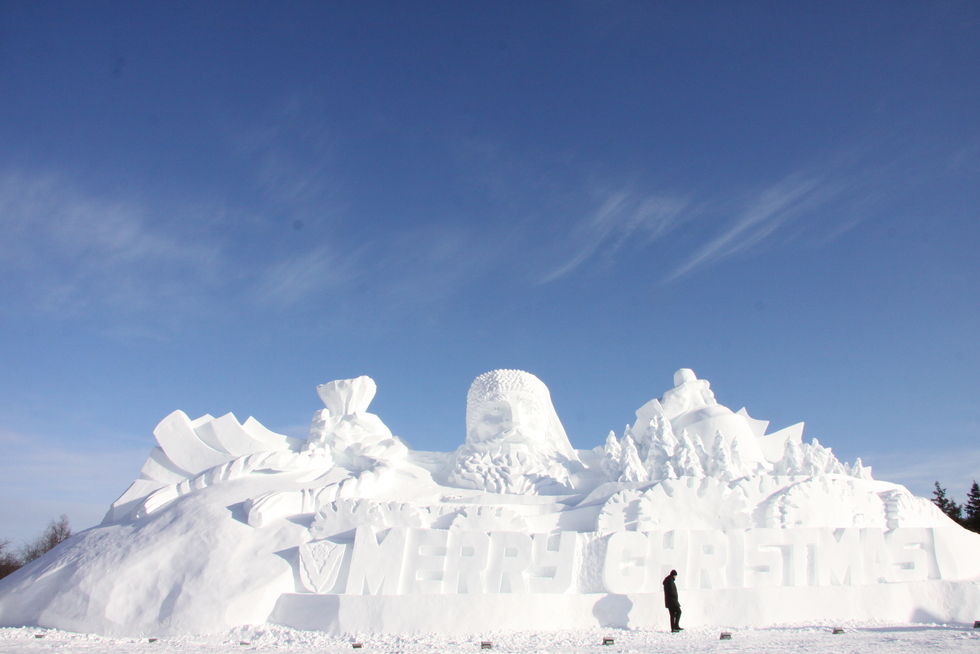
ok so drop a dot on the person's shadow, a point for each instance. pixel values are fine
(613, 611)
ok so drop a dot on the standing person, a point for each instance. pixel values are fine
(671, 601)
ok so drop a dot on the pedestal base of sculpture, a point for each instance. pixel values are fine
(921, 602)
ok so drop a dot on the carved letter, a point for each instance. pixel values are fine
(425, 560)
(510, 556)
(799, 557)
(708, 558)
(878, 567)
(839, 558)
(913, 554)
(625, 569)
(466, 558)
(763, 558)
(552, 570)
(667, 550)
(375, 568)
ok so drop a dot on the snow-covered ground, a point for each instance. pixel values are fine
(858, 638)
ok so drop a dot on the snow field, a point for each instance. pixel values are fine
(858, 638)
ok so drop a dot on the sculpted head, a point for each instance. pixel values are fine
(689, 393)
(683, 376)
(514, 407)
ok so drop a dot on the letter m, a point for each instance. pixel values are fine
(375, 568)
(839, 558)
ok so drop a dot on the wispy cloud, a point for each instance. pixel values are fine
(67, 251)
(622, 218)
(295, 278)
(37, 475)
(954, 470)
(292, 162)
(771, 209)
(697, 229)
(58, 469)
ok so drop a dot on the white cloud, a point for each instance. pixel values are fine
(836, 195)
(39, 480)
(294, 278)
(291, 158)
(65, 251)
(777, 205)
(622, 218)
(955, 470)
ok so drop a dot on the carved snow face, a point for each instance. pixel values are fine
(512, 416)
(514, 441)
(511, 410)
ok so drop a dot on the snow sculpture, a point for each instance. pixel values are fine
(689, 394)
(612, 456)
(351, 531)
(515, 442)
(349, 453)
(189, 448)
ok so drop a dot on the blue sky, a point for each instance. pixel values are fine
(217, 206)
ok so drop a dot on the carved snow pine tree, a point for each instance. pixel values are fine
(613, 453)
(630, 466)
(859, 470)
(642, 438)
(686, 461)
(721, 461)
(834, 466)
(739, 468)
(702, 453)
(792, 461)
(660, 454)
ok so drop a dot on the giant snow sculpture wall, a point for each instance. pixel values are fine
(349, 530)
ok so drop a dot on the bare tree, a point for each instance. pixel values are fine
(56, 532)
(8, 560)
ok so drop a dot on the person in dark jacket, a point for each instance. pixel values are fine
(671, 602)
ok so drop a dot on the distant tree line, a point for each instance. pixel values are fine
(12, 559)
(967, 514)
